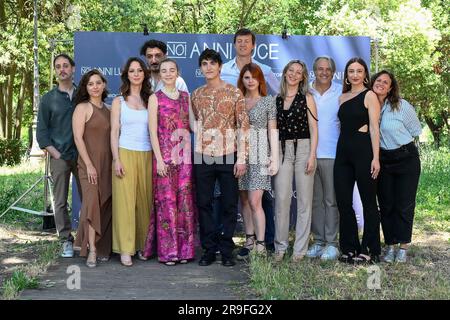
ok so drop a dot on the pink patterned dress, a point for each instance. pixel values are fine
(174, 222)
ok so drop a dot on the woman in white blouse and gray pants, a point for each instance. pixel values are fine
(400, 165)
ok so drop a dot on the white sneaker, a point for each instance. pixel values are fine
(390, 255)
(314, 251)
(67, 250)
(329, 253)
(401, 256)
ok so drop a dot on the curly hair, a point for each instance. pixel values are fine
(82, 94)
(393, 95)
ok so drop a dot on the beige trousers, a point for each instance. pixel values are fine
(293, 166)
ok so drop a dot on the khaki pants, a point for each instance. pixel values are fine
(132, 202)
(325, 214)
(293, 164)
(60, 171)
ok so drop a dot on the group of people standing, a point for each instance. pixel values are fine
(144, 191)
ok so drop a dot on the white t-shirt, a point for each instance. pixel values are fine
(328, 124)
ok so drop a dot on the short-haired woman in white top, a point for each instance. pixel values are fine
(132, 162)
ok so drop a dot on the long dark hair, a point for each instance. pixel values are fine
(82, 94)
(146, 90)
(256, 73)
(393, 95)
(346, 86)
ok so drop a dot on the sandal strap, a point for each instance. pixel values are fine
(261, 242)
(251, 237)
(362, 258)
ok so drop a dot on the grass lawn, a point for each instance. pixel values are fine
(425, 276)
(26, 251)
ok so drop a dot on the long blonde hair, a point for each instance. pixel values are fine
(302, 86)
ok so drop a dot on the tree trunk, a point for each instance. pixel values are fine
(2, 111)
(9, 101)
(436, 130)
(30, 93)
(444, 115)
(2, 14)
(19, 109)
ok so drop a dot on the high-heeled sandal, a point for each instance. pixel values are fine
(260, 243)
(250, 240)
(103, 259)
(141, 256)
(347, 257)
(366, 259)
(91, 261)
(126, 262)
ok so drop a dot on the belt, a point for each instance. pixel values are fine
(406, 147)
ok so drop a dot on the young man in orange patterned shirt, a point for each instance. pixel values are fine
(221, 151)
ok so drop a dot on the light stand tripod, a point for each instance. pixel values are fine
(49, 208)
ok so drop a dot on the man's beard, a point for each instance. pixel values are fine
(154, 67)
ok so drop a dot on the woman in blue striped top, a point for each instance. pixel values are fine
(400, 165)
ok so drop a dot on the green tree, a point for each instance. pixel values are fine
(414, 51)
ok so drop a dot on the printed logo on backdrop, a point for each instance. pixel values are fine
(107, 71)
(198, 73)
(176, 50)
(108, 52)
(183, 50)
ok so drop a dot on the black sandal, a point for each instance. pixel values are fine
(363, 259)
(347, 257)
(246, 248)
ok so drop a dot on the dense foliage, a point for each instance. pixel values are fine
(412, 38)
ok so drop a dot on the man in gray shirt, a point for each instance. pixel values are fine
(54, 134)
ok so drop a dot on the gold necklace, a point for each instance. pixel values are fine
(172, 90)
(173, 94)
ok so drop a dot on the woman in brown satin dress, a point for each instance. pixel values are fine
(91, 130)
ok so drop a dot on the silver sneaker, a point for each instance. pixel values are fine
(67, 251)
(315, 251)
(330, 253)
(401, 256)
(390, 255)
